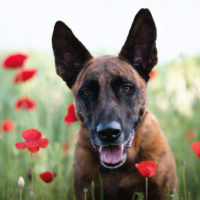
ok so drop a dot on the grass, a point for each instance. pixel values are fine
(173, 96)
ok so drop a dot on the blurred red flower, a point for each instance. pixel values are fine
(14, 61)
(152, 74)
(7, 126)
(66, 148)
(25, 103)
(24, 75)
(46, 176)
(71, 116)
(34, 141)
(190, 134)
(147, 168)
(196, 148)
(73, 137)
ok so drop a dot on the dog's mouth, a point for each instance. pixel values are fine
(114, 156)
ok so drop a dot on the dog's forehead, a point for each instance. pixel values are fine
(105, 67)
(108, 65)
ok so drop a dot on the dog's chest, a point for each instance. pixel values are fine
(121, 182)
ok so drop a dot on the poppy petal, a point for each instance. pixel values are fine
(152, 74)
(71, 115)
(33, 139)
(24, 75)
(7, 126)
(31, 134)
(147, 168)
(25, 103)
(21, 145)
(33, 146)
(33, 149)
(46, 176)
(43, 143)
(14, 61)
(196, 148)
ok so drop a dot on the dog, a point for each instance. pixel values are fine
(117, 130)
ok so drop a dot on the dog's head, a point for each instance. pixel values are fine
(109, 91)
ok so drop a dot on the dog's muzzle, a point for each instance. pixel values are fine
(112, 154)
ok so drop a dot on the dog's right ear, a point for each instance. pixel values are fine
(70, 54)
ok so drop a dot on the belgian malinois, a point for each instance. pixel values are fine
(117, 130)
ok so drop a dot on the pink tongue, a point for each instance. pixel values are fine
(111, 154)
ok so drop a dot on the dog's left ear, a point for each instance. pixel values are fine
(140, 46)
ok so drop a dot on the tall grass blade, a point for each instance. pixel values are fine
(101, 186)
(92, 190)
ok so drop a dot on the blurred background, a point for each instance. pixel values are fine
(102, 26)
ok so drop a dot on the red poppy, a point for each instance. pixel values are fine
(34, 141)
(196, 148)
(147, 168)
(7, 126)
(152, 74)
(25, 103)
(190, 134)
(73, 137)
(71, 115)
(24, 75)
(66, 148)
(46, 176)
(14, 61)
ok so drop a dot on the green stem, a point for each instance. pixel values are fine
(31, 171)
(85, 193)
(20, 194)
(101, 185)
(184, 182)
(146, 188)
(92, 190)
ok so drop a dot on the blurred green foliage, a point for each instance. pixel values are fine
(173, 96)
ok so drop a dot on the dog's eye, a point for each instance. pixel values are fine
(86, 92)
(126, 88)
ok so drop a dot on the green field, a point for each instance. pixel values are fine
(173, 96)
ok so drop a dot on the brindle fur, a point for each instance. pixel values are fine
(104, 77)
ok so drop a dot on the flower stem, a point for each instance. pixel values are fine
(184, 182)
(20, 194)
(31, 171)
(92, 190)
(146, 188)
(85, 193)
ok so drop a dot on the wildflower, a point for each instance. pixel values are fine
(25, 103)
(73, 137)
(14, 61)
(46, 176)
(66, 148)
(20, 182)
(147, 168)
(34, 141)
(196, 148)
(190, 134)
(24, 75)
(71, 116)
(7, 126)
(152, 74)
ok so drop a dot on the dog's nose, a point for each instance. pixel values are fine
(109, 131)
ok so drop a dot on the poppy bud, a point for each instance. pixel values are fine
(20, 182)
